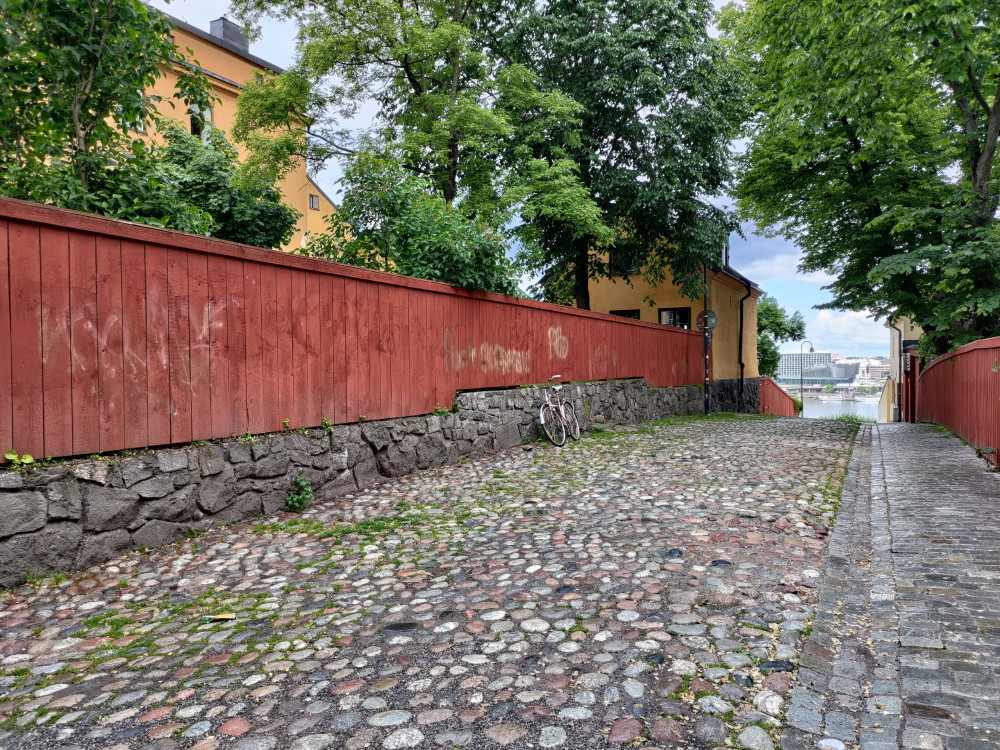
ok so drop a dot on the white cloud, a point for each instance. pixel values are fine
(847, 333)
(783, 267)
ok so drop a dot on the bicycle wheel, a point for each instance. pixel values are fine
(572, 425)
(552, 425)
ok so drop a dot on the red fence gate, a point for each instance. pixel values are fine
(116, 335)
(773, 400)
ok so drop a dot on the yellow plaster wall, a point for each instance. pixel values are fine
(724, 298)
(227, 72)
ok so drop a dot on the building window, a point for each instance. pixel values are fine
(200, 126)
(314, 202)
(631, 314)
(678, 317)
(623, 264)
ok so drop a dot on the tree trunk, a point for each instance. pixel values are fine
(581, 273)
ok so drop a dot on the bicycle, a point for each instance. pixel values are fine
(559, 418)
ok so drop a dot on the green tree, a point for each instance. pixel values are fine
(457, 115)
(659, 105)
(393, 220)
(874, 149)
(74, 75)
(775, 325)
(205, 173)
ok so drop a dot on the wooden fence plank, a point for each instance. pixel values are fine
(83, 341)
(134, 335)
(26, 339)
(218, 338)
(314, 402)
(256, 418)
(326, 347)
(6, 402)
(362, 360)
(236, 321)
(57, 370)
(269, 347)
(286, 376)
(157, 347)
(110, 342)
(339, 335)
(300, 351)
(200, 318)
(179, 324)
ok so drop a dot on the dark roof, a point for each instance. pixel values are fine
(223, 43)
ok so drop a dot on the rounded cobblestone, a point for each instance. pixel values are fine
(545, 597)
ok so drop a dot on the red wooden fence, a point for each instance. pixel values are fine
(116, 335)
(773, 400)
(961, 391)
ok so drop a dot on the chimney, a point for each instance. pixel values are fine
(231, 32)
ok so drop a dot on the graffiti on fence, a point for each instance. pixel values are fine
(486, 357)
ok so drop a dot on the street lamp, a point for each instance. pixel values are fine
(801, 396)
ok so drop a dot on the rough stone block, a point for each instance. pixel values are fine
(172, 460)
(218, 492)
(397, 460)
(271, 466)
(366, 473)
(107, 508)
(134, 470)
(49, 550)
(155, 487)
(11, 480)
(318, 443)
(21, 512)
(431, 450)
(211, 460)
(239, 453)
(247, 505)
(340, 484)
(178, 506)
(92, 471)
(508, 436)
(376, 434)
(156, 533)
(65, 501)
(97, 548)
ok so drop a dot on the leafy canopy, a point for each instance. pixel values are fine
(393, 220)
(874, 147)
(659, 104)
(456, 114)
(75, 76)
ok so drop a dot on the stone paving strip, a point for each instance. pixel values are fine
(905, 648)
(650, 586)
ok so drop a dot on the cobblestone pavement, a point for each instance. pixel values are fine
(905, 650)
(650, 585)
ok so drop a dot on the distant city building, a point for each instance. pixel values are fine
(791, 362)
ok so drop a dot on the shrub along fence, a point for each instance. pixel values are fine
(116, 335)
(775, 401)
(961, 390)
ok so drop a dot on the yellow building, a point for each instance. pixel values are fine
(903, 335)
(668, 307)
(224, 55)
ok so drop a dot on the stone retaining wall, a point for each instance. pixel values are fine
(77, 513)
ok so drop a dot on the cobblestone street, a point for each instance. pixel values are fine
(651, 583)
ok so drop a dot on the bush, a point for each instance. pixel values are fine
(798, 404)
(300, 495)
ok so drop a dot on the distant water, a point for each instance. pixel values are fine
(813, 408)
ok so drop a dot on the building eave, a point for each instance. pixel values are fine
(221, 43)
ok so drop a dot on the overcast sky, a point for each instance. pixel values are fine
(770, 262)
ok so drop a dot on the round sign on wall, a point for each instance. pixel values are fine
(706, 320)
